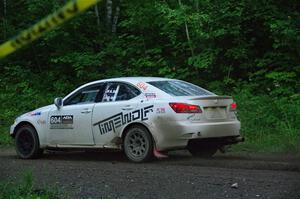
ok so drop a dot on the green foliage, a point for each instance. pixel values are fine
(269, 123)
(249, 49)
(26, 190)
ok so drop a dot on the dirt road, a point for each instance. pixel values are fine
(109, 174)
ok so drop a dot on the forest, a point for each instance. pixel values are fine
(247, 49)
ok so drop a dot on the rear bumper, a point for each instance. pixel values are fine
(173, 134)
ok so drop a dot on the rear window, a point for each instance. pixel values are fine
(179, 88)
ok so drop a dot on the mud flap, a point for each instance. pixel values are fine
(159, 154)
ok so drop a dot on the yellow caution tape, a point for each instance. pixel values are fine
(51, 21)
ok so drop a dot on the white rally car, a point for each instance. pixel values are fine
(140, 115)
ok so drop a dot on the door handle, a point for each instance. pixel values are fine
(85, 111)
(127, 107)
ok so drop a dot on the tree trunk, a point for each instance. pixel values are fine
(116, 17)
(97, 14)
(4, 18)
(4, 6)
(187, 31)
(108, 14)
(197, 5)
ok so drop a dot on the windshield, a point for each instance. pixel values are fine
(179, 88)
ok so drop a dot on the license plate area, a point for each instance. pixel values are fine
(215, 112)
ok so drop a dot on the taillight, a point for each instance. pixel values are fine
(233, 106)
(185, 108)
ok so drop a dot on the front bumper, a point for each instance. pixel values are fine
(176, 134)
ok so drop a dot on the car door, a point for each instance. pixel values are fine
(118, 102)
(71, 124)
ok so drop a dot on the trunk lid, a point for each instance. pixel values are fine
(214, 107)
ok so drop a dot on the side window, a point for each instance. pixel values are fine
(110, 93)
(86, 95)
(127, 92)
(119, 92)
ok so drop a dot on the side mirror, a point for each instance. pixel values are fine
(58, 102)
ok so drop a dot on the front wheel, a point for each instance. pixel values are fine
(138, 144)
(27, 143)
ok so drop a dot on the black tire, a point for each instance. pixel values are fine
(202, 151)
(138, 144)
(27, 143)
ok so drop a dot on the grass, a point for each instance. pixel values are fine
(264, 142)
(26, 190)
(5, 139)
(269, 124)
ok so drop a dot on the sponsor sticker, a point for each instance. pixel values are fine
(160, 110)
(142, 86)
(61, 122)
(112, 123)
(35, 113)
(150, 95)
(110, 95)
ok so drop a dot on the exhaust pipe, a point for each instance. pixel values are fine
(239, 139)
(230, 141)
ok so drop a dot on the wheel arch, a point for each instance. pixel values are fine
(41, 134)
(126, 128)
(23, 123)
(36, 151)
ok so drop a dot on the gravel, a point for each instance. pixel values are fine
(111, 175)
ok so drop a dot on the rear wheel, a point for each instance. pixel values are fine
(203, 151)
(27, 143)
(138, 144)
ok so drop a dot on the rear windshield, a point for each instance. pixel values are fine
(179, 88)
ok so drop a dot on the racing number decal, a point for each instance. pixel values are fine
(55, 119)
(61, 122)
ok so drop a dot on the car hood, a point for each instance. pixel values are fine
(38, 111)
(44, 108)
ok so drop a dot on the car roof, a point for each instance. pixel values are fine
(133, 80)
